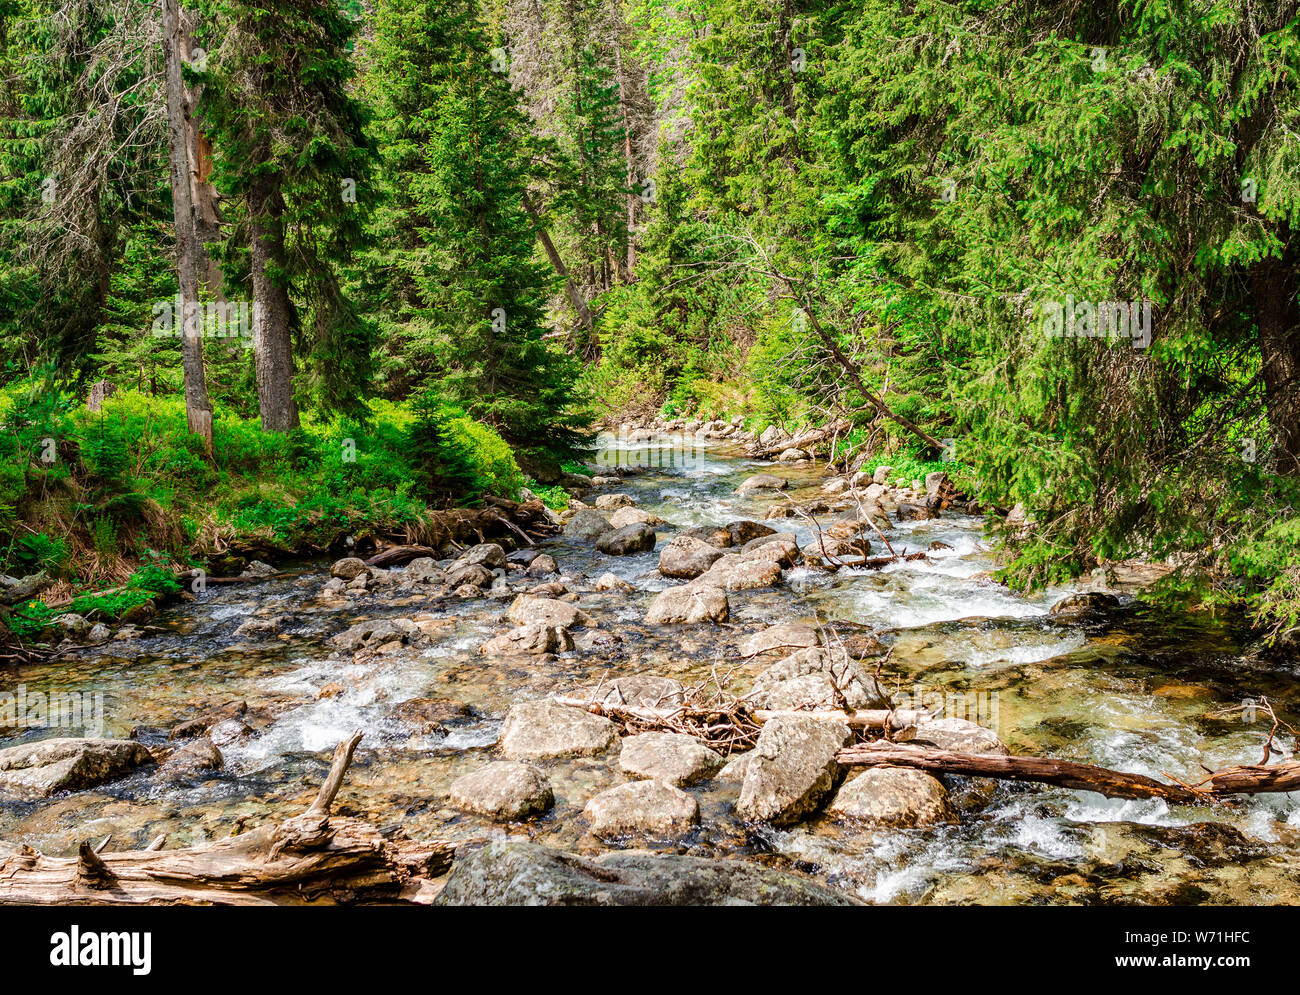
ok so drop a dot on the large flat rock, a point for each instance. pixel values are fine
(51, 765)
(792, 769)
(518, 873)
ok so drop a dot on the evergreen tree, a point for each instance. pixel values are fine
(470, 242)
(290, 145)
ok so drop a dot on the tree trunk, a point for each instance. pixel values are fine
(272, 312)
(1278, 317)
(575, 297)
(189, 249)
(631, 171)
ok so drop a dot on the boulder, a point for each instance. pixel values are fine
(200, 725)
(528, 610)
(638, 538)
(686, 556)
(733, 572)
(670, 757)
(348, 568)
(533, 638)
(227, 732)
(770, 435)
(612, 582)
(690, 603)
(72, 626)
(469, 574)
(782, 548)
(910, 512)
(791, 635)
(892, 796)
(194, 759)
(377, 632)
(810, 677)
(521, 873)
(542, 565)
(487, 554)
(793, 769)
(48, 766)
(762, 482)
(425, 570)
(714, 535)
(504, 791)
(792, 455)
(539, 730)
(836, 485)
(733, 772)
(646, 807)
(612, 502)
(634, 516)
(1087, 605)
(745, 531)
(883, 475)
(587, 524)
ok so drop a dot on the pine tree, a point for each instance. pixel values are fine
(473, 288)
(290, 143)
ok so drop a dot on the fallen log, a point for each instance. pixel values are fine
(809, 438)
(309, 859)
(397, 556)
(1219, 785)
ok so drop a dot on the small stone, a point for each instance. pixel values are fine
(535, 638)
(527, 610)
(612, 582)
(634, 516)
(587, 525)
(199, 756)
(791, 635)
(348, 568)
(486, 554)
(542, 565)
(686, 556)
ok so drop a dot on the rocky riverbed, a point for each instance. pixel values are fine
(684, 566)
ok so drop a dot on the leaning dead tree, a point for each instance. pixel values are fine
(311, 859)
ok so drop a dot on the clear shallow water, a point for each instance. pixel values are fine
(1135, 696)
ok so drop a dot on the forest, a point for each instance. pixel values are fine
(378, 282)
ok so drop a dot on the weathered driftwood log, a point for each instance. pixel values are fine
(313, 858)
(396, 556)
(1242, 780)
(759, 451)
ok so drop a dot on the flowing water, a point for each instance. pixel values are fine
(1135, 693)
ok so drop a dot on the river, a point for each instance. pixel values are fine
(1134, 692)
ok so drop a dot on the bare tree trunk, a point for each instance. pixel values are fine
(631, 170)
(1278, 316)
(272, 312)
(189, 249)
(575, 297)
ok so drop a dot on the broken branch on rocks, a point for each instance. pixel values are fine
(310, 859)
